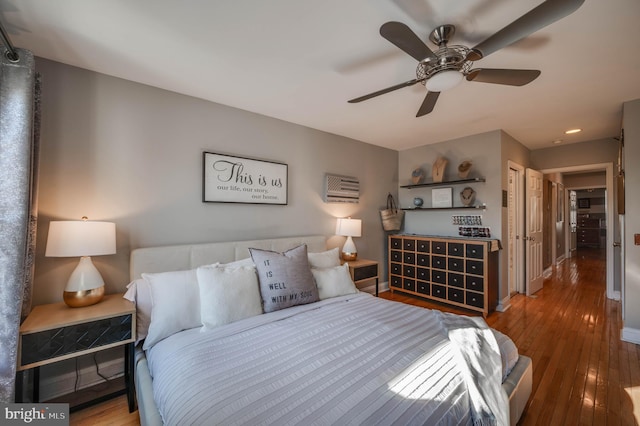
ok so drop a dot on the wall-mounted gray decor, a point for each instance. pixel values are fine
(341, 189)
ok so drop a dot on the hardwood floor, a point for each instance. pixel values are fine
(583, 374)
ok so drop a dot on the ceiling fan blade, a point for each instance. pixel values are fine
(402, 36)
(428, 103)
(383, 91)
(532, 21)
(502, 76)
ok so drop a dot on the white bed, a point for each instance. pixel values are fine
(348, 359)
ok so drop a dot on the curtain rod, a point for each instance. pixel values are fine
(12, 54)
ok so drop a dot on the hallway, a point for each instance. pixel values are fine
(582, 372)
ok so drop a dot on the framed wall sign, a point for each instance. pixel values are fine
(442, 198)
(231, 179)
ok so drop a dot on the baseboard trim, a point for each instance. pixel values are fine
(631, 335)
(504, 304)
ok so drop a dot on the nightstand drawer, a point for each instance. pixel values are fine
(365, 272)
(57, 342)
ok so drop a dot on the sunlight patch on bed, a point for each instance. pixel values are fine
(415, 381)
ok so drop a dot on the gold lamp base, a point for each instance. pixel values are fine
(79, 299)
(349, 256)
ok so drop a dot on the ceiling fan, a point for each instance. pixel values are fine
(447, 66)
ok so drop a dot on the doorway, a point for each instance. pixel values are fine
(609, 224)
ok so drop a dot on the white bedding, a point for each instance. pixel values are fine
(352, 359)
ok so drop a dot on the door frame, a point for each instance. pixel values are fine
(608, 168)
(518, 244)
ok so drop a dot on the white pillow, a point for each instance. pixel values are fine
(333, 282)
(247, 261)
(176, 304)
(228, 294)
(139, 292)
(325, 259)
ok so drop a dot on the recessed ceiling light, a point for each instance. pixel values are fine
(557, 141)
(572, 131)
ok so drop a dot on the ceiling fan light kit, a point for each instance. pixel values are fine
(446, 67)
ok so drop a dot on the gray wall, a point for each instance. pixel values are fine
(631, 125)
(120, 151)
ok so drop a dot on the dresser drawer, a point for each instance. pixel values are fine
(439, 262)
(455, 295)
(409, 284)
(438, 276)
(54, 343)
(439, 291)
(396, 268)
(365, 272)
(474, 283)
(475, 267)
(409, 258)
(456, 280)
(423, 246)
(409, 271)
(423, 274)
(439, 247)
(396, 243)
(456, 264)
(423, 260)
(474, 299)
(423, 288)
(396, 256)
(456, 249)
(395, 281)
(475, 251)
(409, 245)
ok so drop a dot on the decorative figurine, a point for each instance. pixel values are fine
(417, 175)
(467, 196)
(438, 169)
(418, 202)
(464, 168)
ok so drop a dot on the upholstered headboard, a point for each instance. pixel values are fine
(189, 256)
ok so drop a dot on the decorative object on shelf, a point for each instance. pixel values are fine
(467, 220)
(467, 196)
(391, 216)
(341, 189)
(232, 179)
(418, 202)
(474, 232)
(441, 197)
(348, 227)
(82, 239)
(438, 169)
(464, 168)
(417, 176)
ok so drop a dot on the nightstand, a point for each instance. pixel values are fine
(55, 332)
(363, 270)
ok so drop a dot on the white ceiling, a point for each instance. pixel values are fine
(301, 60)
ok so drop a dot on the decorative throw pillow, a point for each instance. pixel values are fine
(139, 292)
(325, 259)
(285, 278)
(334, 282)
(176, 304)
(228, 294)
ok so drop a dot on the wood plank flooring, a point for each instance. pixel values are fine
(583, 374)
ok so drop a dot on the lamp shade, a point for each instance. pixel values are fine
(348, 227)
(80, 238)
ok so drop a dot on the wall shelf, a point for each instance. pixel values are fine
(436, 184)
(480, 207)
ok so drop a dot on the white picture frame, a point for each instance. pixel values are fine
(232, 179)
(442, 198)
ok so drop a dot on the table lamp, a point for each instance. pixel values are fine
(348, 227)
(84, 239)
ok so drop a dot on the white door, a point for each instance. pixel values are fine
(533, 235)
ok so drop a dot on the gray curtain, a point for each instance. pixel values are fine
(18, 187)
